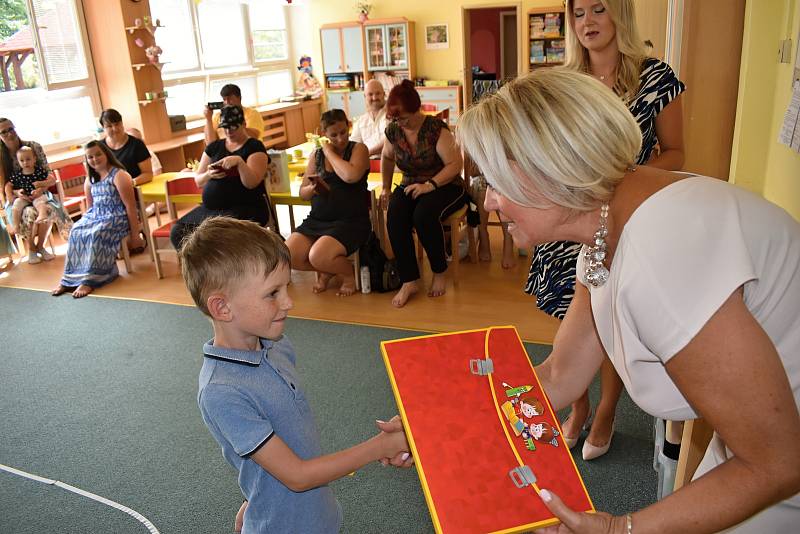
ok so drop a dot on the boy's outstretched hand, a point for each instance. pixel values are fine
(393, 430)
(239, 523)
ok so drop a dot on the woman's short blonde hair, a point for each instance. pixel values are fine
(570, 137)
(632, 50)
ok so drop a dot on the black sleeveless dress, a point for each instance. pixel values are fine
(343, 213)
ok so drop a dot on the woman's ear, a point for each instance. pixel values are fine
(218, 308)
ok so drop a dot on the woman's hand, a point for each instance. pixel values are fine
(36, 193)
(580, 522)
(230, 162)
(239, 521)
(394, 433)
(417, 190)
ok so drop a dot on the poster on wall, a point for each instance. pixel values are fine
(436, 36)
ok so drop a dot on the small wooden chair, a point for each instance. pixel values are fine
(125, 255)
(182, 190)
(457, 222)
(69, 187)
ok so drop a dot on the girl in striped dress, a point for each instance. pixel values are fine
(95, 239)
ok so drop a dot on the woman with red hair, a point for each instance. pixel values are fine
(425, 151)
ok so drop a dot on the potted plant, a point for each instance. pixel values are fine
(363, 9)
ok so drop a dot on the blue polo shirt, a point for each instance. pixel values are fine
(245, 398)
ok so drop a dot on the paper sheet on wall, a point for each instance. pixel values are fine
(790, 130)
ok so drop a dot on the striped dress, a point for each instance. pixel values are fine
(552, 274)
(94, 240)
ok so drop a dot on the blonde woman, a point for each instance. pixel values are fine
(603, 42)
(689, 284)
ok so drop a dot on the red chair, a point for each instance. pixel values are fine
(181, 190)
(374, 165)
(428, 107)
(69, 187)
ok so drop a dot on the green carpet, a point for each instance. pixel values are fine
(101, 394)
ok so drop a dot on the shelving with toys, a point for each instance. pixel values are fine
(546, 42)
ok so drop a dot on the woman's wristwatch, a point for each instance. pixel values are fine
(434, 184)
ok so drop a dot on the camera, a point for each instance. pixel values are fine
(216, 105)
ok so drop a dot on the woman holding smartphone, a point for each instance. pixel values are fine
(231, 175)
(336, 184)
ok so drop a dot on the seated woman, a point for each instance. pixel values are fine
(128, 149)
(426, 153)
(336, 183)
(34, 233)
(94, 241)
(231, 175)
(691, 286)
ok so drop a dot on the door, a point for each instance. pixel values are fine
(356, 105)
(353, 49)
(397, 46)
(376, 47)
(508, 45)
(331, 50)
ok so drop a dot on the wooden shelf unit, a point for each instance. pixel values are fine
(546, 39)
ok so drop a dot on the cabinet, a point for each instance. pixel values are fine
(443, 98)
(546, 43)
(387, 46)
(342, 50)
(352, 102)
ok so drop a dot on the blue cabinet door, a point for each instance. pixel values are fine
(336, 100)
(331, 51)
(356, 105)
(353, 49)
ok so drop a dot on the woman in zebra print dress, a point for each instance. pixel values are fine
(603, 41)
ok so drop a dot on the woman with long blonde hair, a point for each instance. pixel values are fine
(603, 41)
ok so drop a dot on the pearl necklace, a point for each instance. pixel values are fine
(595, 271)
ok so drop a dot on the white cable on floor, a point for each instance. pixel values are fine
(108, 502)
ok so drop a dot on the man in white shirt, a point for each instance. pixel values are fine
(369, 127)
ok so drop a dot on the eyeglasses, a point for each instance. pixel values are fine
(8, 131)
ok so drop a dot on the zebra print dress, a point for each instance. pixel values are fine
(552, 274)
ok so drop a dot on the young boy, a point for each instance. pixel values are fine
(237, 273)
(20, 188)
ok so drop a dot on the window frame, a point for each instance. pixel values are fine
(78, 88)
(253, 68)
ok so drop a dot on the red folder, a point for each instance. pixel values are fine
(473, 410)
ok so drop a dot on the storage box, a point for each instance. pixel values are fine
(278, 172)
(177, 122)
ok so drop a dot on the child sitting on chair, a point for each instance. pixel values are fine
(249, 396)
(20, 188)
(336, 184)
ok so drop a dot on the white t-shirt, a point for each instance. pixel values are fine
(683, 252)
(368, 130)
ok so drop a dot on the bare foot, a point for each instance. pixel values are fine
(509, 261)
(484, 247)
(82, 291)
(438, 285)
(321, 283)
(60, 290)
(406, 291)
(347, 288)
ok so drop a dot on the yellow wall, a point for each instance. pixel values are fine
(759, 163)
(444, 64)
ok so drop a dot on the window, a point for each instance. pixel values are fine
(214, 42)
(49, 88)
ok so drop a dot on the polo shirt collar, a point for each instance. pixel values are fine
(249, 357)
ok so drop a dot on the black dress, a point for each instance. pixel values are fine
(131, 154)
(343, 213)
(226, 196)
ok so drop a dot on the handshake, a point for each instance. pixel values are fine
(318, 140)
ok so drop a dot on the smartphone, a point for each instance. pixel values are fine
(216, 105)
(320, 185)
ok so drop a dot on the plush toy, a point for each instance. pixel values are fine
(318, 140)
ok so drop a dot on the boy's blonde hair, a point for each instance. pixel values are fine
(570, 137)
(223, 250)
(632, 50)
